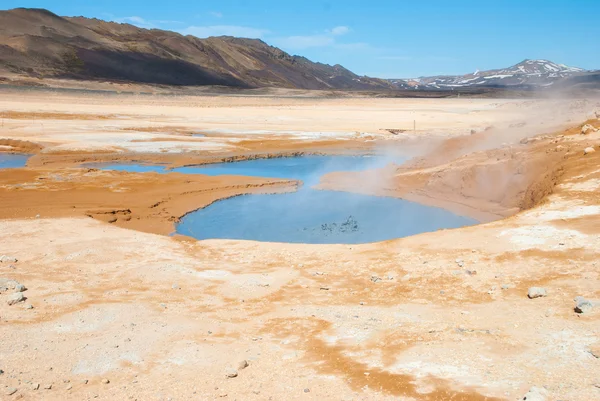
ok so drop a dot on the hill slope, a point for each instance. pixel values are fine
(36, 42)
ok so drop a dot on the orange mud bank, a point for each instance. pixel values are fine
(149, 202)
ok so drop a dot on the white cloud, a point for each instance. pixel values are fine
(167, 22)
(326, 39)
(340, 30)
(224, 30)
(135, 20)
(304, 42)
(216, 14)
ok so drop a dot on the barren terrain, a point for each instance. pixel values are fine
(117, 309)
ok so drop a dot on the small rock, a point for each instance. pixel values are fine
(28, 306)
(231, 373)
(243, 365)
(20, 288)
(16, 298)
(325, 288)
(35, 386)
(588, 129)
(69, 387)
(175, 287)
(307, 390)
(536, 394)
(536, 292)
(505, 286)
(583, 306)
(84, 381)
(11, 390)
(471, 272)
(8, 259)
(375, 279)
(105, 381)
(37, 216)
(588, 150)
(48, 387)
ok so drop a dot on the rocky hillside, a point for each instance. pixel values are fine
(36, 42)
(526, 74)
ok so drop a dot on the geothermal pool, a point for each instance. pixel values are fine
(12, 161)
(308, 215)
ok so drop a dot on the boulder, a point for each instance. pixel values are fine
(536, 292)
(8, 259)
(16, 298)
(583, 305)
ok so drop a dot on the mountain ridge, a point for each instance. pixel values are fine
(37, 42)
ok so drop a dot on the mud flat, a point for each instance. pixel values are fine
(117, 309)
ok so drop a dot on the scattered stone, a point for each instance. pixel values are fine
(16, 298)
(20, 288)
(37, 216)
(536, 292)
(8, 259)
(583, 305)
(35, 386)
(84, 381)
(307, 390)
(28, 306)
(1, 372)
(69, 387)
(48, 387)
(536, 394)
(473, 132)
(375, 279)
(231, 373)
(588, 150)
(325, 288)
(471, 272)
(175, 287)
(11, 390)
(505, 286)
(105, 381)
(588, 129)
(243, 365)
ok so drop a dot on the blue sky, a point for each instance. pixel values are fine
(388, 39)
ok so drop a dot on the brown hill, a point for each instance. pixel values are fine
(36, 42)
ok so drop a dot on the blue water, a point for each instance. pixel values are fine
(12, 161)
(309, 215)
(309, 169)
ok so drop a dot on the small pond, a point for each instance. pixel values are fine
(308, 215)
(8, 160)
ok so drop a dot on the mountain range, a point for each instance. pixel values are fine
(526, 74)
(38, 43)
